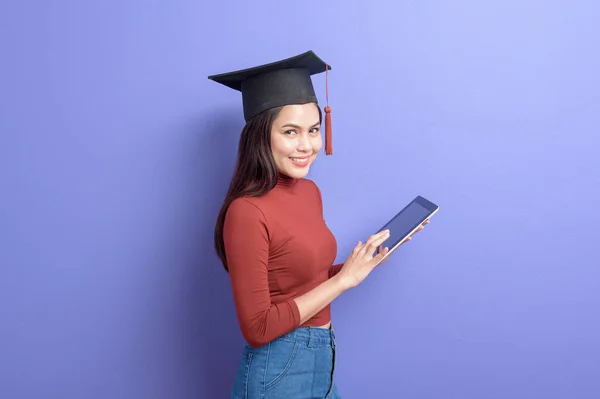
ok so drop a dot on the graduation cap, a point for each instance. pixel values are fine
(279, 83)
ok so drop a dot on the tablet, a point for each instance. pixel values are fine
(407, 221)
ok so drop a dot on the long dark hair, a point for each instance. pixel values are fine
(255, 171)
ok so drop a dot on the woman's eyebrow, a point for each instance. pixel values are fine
(298, 126)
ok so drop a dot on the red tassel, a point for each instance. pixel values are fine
(328, 144)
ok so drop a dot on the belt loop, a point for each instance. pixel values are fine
(308, 344)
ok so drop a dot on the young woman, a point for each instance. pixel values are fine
(273, 241)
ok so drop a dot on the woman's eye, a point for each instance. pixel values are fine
(314, 130)
(290, 132)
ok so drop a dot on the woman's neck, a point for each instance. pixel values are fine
(285, 180)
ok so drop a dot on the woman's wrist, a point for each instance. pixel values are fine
(341, 282)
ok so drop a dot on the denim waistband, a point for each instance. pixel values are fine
(313, 337)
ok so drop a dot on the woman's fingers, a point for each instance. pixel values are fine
(375, 241)
(378, 236)
(368, 243)
(369, 247)
(377, 260)
(356, 250)
(383, 251)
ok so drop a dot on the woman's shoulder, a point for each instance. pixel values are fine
(243, 212)
(311, 186)
(245, 204)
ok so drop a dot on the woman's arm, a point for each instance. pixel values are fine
(316, 299)
(246, 239)
(245, 235)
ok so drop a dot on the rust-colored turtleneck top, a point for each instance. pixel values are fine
(277, 247)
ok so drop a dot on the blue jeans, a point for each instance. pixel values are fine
(297, 365)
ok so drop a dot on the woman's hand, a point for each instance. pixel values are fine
(381, 249)
(361, 261)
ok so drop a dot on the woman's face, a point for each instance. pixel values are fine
(296, 139)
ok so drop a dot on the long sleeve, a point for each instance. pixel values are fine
(246, 240)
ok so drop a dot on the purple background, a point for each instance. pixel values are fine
(116, 152)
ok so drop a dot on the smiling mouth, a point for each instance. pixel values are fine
(302, 161)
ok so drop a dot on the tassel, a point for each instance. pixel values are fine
(328, 143)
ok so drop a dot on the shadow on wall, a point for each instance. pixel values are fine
(211, 345)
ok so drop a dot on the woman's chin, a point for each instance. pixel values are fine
(296, 174)
(296, 171)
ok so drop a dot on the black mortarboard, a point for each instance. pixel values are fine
(279, 83)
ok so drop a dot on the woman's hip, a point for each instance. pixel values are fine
(300, 364)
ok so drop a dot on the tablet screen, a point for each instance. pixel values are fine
(406, 221)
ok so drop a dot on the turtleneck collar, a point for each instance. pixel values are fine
(285, 181)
